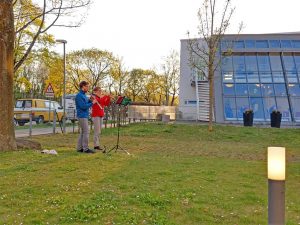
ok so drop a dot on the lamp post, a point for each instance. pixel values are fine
(276, 182)
(64, 42)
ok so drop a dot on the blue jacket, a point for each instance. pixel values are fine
(82, 105)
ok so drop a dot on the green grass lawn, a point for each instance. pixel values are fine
(176, 174)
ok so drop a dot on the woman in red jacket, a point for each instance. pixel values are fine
(98, 114)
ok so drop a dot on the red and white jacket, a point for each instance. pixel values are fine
(98, 109)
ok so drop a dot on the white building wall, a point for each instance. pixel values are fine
(187, 92)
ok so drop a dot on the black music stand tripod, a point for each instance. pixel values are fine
(117, 146)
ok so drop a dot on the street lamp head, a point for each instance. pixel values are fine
(276, 163)
(61, 41)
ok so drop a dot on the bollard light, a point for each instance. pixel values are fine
(276, 163)
(276, 181)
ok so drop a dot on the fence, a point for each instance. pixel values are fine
(113, 113)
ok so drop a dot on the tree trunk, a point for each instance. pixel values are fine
(173, 99)
(211, 97)
(7, 133)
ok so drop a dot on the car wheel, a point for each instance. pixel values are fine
(21, 123)
(40, 120)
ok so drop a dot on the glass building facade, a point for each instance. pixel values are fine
(262, 75)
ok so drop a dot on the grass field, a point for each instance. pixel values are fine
(176, 174)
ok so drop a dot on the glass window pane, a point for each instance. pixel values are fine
(228, 89)
(267, 89)
(296, 108)
(238, 44)
(262, 44)
(275, 62)
(256, 105)
(241, 89)
(263, 62)
(254, 89)
(228, 77)
(242, 104)
(251, 63)
(240, 77)
(274, 43)
(269, 106)
(278, 77)
(252, 77)
(229, 108)
(294, 90)
(292, 76)
(226, 45)
(296, 44)
(286, 44)
(289, 63)
(265, 77)
(283, 107)
(250, 44)
(297, 61)
(239, 63)
(227, 63)
(28, 104)
(280, 90)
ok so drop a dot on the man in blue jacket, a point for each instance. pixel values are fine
(83, 104)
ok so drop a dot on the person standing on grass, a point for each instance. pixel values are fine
(98, 114)
(83, 104)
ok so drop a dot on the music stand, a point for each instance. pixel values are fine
(121, 101)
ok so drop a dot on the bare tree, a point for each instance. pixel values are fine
(171, 76)
(34, 19)
(214, 21)
(7, 133)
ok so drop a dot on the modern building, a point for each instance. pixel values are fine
(262, 73)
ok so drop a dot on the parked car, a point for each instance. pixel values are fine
(39, 108)
(71, 107)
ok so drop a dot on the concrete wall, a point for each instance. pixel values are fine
(187, 92)
(151, 112)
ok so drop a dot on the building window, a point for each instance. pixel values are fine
(228, 89)
(258, 81)
(267, 90)
(296, 44)
(239, 63)
(296, 108)
(286, 44)
(292, 76)
(238, 44)
(242, 104)
(263, 62)
(269, 106)
(280, 90)
(289, 62)
(230, 108)
(254, 89)
(283, 107)
(262, 44)
(241, 89)
(249, 43)
(256, 105)
(294, 90)
(278, 77)
(274, 43)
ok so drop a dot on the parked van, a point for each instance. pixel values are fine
(40, 109)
